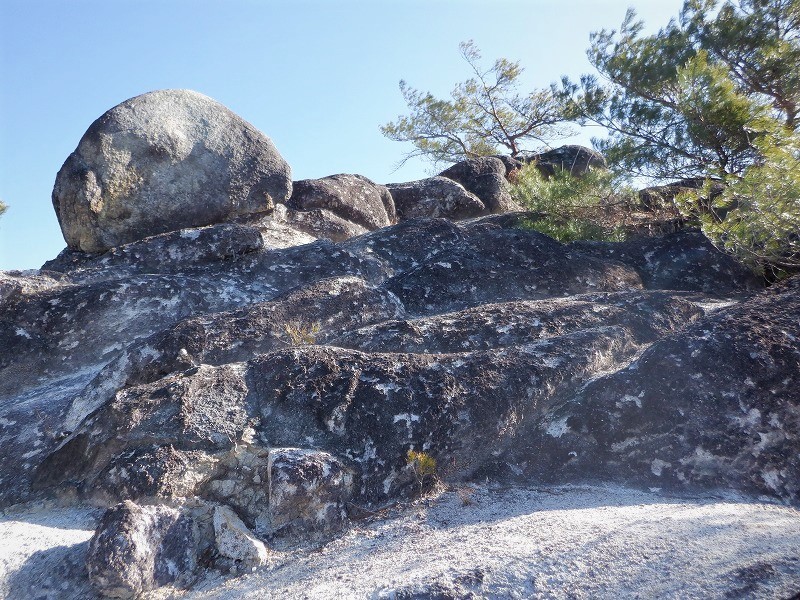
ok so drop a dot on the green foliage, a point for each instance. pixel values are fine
(302, 334)
(485, 114)
(571, 208)
(423, 466)
(714, 94)
(757, 217)
(695, 98)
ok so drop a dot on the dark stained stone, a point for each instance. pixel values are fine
(139, 548)
(686, 260)
(435, 197)
(486, 178)
(351, 197)
(576, 160)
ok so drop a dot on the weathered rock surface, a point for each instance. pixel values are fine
(139, 548)
(685, 260)
(435, 197)
(716, 406)
(308, 492)
(235, 542)
(496, 264)
(486, 178)
(280, 389)
(576, 160)
(351, 197)
(164, 161)
(319, 223)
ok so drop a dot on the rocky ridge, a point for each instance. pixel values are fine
(249, 385)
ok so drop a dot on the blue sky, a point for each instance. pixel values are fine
(318, 77)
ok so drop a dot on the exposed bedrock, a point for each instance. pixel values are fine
(233, 365)
(246, 396)
(716, 406)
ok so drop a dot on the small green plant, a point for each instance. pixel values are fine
(302, 334)
(423, 466)
(569, 207)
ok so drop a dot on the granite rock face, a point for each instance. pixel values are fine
(246, 395)
(164, 161)
(351, 197)
(486, 178)
(435, 197)
(713, 407)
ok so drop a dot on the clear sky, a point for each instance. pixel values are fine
(318, 77)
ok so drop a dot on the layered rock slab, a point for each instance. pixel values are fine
(715, 406)
(351, 197)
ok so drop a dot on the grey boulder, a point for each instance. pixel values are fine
(164, 161)
(486, 178)
(136, 549)
(577, 160)
(435, 197)
(351, 197)
(318, 222)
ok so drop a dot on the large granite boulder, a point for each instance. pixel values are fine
(486, 178)
(163, 161)
(351, 197)
(435, 197)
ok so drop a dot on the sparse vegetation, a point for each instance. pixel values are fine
(302, 334)
(423, 466)
(485, 115)
(715, 94)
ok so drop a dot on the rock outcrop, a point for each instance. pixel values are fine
(576, 160)
(351, 197)
(229, 390)
(164, 161)
(486, 178)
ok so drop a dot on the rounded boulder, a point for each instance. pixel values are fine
(164, 161)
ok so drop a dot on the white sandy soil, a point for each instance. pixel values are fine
(565, 542)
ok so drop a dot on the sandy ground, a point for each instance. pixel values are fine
(566, 542)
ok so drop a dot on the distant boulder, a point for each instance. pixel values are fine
(664, 195)
(486, 178)
(435, 197)
(351, 197)
(164, 161)
(510, 163)
(577, 160)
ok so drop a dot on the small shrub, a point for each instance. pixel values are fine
(301, 334)
(423, 466)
